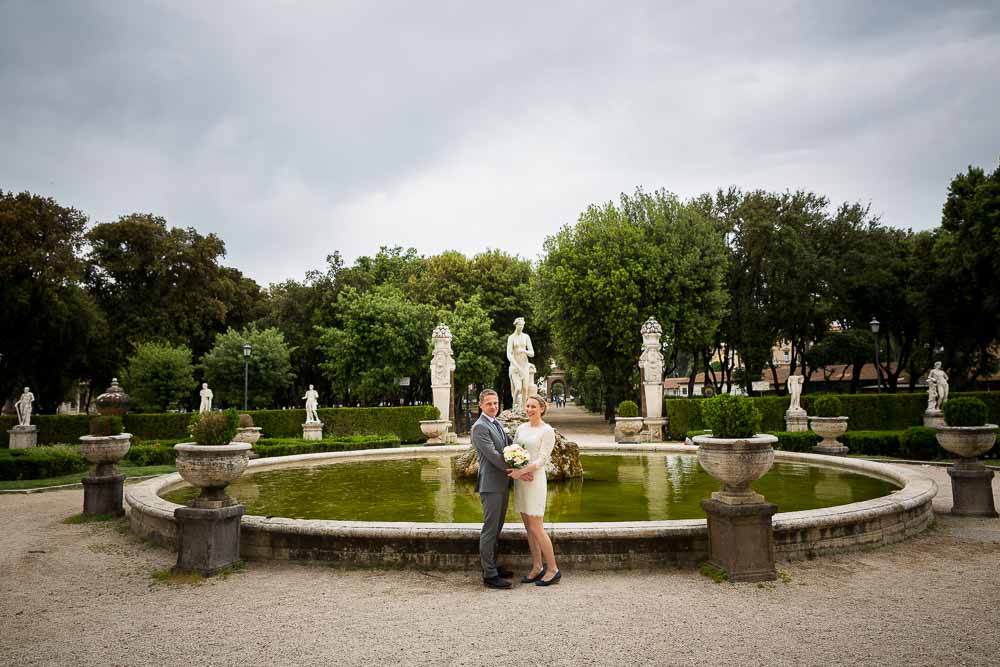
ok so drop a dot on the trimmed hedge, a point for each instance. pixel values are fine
(917, 443)
(269, 447)
(404, 422)
(873, 412)
(40, 462)
(796, 441)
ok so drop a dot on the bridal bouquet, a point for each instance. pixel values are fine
(515, 456)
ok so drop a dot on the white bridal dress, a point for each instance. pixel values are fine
(529, 497)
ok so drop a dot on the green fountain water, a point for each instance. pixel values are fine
(615, 487)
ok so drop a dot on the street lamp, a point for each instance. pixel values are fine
(874, 324)
(246, 372)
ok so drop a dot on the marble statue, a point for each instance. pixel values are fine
(206, 398)
(795, 392)
(24, 407)
(312, 404)
(519, 350)
(937, 387)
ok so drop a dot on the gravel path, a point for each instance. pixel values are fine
(85, 595)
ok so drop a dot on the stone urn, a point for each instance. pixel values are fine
(967, 442)
(736, 462)
(436, 430)
(829, 429)
(627, 429)
(114, 401)
(248, 434)
(212, 468)
(104, 451)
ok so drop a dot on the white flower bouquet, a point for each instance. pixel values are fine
(515, 456)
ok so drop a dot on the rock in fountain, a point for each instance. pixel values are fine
(563, 464)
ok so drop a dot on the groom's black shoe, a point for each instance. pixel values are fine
(496, 582)
(504, 572)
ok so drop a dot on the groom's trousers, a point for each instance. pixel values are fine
(494, 511)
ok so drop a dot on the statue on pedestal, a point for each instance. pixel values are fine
(312, 404)
(519, 350)
(937, 387)
(795, 392)
(206, 398)
(24, 407)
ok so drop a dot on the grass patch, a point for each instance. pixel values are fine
(169, 577)
(82, 518)
(715, 574)
(128, 471)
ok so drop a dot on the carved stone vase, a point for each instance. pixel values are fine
(212, 469)
(736, 462)
(829, 429)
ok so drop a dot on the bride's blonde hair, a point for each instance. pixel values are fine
(541, 403)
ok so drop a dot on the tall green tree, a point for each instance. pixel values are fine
(268, 371)
(477, 348)
(165, 283)
(383, 337)
(650, 255)
(160, 376)
(50, 327)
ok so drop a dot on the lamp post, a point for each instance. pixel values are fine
(874, 324)
(246, 372)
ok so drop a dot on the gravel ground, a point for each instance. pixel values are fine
(86, 595)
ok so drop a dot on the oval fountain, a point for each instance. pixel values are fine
(660, 531)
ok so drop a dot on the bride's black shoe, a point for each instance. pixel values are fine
(530, 580)
(553, 580)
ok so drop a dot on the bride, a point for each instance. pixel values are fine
(537, 438)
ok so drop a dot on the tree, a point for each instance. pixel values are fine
(477, 348)
(383, 337)
(163, 283)
(648, 256)
(852, 347)
(50, 326)
(159, 376)
(965, 289)
(268, 368)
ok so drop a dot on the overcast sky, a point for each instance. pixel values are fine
(293, 129)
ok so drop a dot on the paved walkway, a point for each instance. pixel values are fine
(87, 595)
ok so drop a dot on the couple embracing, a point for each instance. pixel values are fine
(494, 482)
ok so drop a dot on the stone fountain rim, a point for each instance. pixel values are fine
(917, 490)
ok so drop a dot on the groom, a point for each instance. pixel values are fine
(492, 484)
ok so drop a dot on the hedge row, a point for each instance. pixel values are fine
(867, 412)
(403, 422)
(917, 443)
(269, 447)
(40, 462)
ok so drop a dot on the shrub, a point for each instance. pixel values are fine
(965, 411)
(403, 421)
(246, 421)
(269, 447)
(105, 425)
(172, 425)
(151, 453)
(215, 428)
(628, 409)
(828, 405)
(731, 416)
(920, 443)
(797, 441)
(40, 462)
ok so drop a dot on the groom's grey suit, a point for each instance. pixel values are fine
(493, 486)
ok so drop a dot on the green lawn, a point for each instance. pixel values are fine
(128, 471)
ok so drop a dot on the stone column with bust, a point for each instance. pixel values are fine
(439, 431)
(651, 365)
(24, 435)
(796, 419)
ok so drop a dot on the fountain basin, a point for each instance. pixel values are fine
(593, 545)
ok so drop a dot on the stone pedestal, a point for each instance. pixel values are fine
(796, 421)
(741, 539)
(654, 428)
(23, 437)
(627, 429)
(933, 418)
(102, 495)
(312, 431)
(208, 540)
(972, 489)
